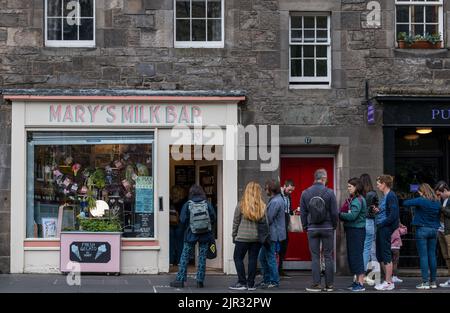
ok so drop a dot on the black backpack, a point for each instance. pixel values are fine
(317, 209)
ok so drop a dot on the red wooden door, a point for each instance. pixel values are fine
(301, 171)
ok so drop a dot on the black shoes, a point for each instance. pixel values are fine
(199, 284)
(177, 284)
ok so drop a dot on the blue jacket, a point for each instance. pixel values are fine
(391, 213)
(185, 217)
(426, 212)
(276, 217)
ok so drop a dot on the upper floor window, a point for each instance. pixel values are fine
(419, 17)
(199, 23)
(310, 50)
(70, 23)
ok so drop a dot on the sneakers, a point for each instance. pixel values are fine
(262, 285)
(433, 285)
(200, 284)
(445, 285)
(328, 288)
(385, 286)
(272, 285)
(251, 288)
(314, 288)
(369, 281)
(238, 286)
(352, 285)
(358, 287)
(177, 284)
(423, 286)
(395, 279)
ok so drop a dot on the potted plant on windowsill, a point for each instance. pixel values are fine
(402, 40)
(429, 41)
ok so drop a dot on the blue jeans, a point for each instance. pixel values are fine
(426, 240)
(188, 250)
(269, 265)
(368, 242)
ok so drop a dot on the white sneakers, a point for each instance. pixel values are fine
(385, 286)
(369, 281)
(445, 285)
(395, 280)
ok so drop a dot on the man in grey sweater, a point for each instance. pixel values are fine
(320, 233)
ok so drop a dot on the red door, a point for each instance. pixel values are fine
(301, 171)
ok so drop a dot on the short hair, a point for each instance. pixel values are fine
(320, 174)
(289, 182)
(273, 186)
(356, 182)
(386, 179)
(441, 186)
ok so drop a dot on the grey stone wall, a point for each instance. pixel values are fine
(134, 49)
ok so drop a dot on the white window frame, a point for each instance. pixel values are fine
(69, 43)
(199, 44)
(311, 82)
(410, 3)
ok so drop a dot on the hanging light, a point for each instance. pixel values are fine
(411, 137)
(423, 130)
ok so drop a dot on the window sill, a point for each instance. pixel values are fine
(294, 87)
(420, 53)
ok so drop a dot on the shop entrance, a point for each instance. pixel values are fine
(301, 170)
(207, 174)
(419, 158)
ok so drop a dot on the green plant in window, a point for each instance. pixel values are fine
(95, 180)
(100, 224)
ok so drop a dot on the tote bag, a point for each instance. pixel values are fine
(295, 224)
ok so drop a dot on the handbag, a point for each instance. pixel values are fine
(212, 250)
(295, 224)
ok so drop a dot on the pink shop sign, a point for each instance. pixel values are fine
(93, 252)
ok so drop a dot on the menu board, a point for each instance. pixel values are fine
(144, 194)
(90, 252)
(185, 175)
(143, 226)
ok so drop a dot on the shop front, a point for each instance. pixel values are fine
(416, 131)
(86, 163)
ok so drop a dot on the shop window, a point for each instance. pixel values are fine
(69, 171)
(199, 23)
(419, 17)
(310, 50)
(70, 23)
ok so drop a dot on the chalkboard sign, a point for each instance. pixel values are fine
(185, 175)
(143, 226)
(144, 194)
(90, 252)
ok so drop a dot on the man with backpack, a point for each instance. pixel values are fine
(319, 214)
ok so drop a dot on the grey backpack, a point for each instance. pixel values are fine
(199, 220)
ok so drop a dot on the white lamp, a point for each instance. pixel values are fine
(100, 207)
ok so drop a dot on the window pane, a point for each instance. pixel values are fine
(309, 36)
(296, 51)
(431, 14)
(296, 68)
(296, 22)
(214, 8)
(431, 29)
(309, 22)
(296, 35)
(183, 9)
(70, 31)
(417, 29)
(417, 14)
(198, 30)
(402, 14)
(214, 30)
(54, 29)
(71, 7)
(59, 174)
(54, 8)
(321, 51)
(321, 68)
(183, 30)
(87, 8)
(198, 8)
(403, 28)
(322, 35)
(321, 22)
(308, 51)
(308, 67)
(87, 29)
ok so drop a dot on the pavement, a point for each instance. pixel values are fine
(214, 283)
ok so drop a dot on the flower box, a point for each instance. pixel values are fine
(424, 44)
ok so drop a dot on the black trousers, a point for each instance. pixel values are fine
(283, 245)
(240, 250)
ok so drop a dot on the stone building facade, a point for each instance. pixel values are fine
(134, 49)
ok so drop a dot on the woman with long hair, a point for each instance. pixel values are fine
(369, 243)
(355, 231)
(250, 210)
(426, 220)
(197, 229)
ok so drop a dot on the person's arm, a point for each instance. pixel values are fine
(355, 209)
(271, 212)
(236, 221)
(304, 211)
(393, 211)
(334, 211)
(184, 217)
(212, 213)
(413, 202)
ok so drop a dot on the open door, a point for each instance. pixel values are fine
(208, 174)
